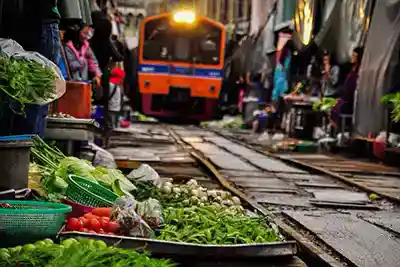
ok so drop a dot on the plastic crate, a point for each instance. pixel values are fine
(88, 193)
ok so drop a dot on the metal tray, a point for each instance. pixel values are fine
(71, 122)
(177, 249)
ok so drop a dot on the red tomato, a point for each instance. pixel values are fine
(95, 225)
(102, 212)
(105, 219)
(86, 222)
(104, 222)
(113, 227)
(74, 224)
(90, 216)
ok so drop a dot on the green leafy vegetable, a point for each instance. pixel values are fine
(212, 225)
(75, 166)
(394, 101)
(76, 253)
(25, 81)
(327, 104)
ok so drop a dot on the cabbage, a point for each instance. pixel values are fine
(75, 166)
(107, 177)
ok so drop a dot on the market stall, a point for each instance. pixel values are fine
(85, 209)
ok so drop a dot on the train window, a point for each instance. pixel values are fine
(209, 45)
(155, 45)
(182, 49)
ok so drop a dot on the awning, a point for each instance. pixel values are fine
(338, 26)
(381, 57)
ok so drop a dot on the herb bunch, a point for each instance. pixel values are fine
(26, 81)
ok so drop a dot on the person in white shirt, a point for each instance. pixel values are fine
(116, 95)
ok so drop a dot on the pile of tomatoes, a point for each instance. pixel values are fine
(96, 222)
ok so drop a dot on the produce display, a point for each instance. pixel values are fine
(187, 195)
(55, 168)
(26, 81)
(226, 122)
(75, 253)
(96, 222)
(147, 207)
(394, 101)
(60, 115)
(326, 104)
(213, 225)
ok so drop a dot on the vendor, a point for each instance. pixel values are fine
(350, 83)
(81, 59)
(34, 25)
(330, 76)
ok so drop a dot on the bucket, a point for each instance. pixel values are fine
(14, 158)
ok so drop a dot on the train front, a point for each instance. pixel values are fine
(181, 58)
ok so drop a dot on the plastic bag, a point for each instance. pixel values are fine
(151, 211)
(102, 157)
(10, 48)
(144, 173)
(130, 222)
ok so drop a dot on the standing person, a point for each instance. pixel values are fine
(330, 76)
(242, 86)
(34, 25)
(80, 57)
(116, 95)
(350, 83)
(281, 75)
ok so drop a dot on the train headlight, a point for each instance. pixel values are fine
(185, 16)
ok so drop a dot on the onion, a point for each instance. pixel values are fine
(176, 190)
(194, 192)
(166, 189)
(204, 199)
(236, 200)
(194, 200)
(168, 184)
(192, 183)
(212, 193)
(224, 194)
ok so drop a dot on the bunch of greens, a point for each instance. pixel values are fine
(75, 253)
(394, 101)
(212, 225)
(327, 104)
(25, 81)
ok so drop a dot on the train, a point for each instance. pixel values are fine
(180, 60)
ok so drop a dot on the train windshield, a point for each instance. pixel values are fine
(198, 45)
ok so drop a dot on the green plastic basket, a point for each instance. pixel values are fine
(30, 220)
(88, 193)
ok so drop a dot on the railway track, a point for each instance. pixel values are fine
(333, 221)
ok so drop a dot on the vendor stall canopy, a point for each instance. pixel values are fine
(334, 25)
(379, 70)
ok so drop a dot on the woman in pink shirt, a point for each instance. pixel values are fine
(81, 60)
